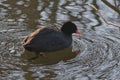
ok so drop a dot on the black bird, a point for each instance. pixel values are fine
(48, 40)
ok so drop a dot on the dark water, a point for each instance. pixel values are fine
(99, 43)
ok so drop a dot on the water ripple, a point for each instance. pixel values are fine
(99, 44)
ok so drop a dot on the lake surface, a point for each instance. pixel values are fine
(99, 42)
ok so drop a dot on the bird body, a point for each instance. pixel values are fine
(47, 39)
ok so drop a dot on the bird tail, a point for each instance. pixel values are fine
(28, 47)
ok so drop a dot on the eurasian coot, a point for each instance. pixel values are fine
(47, 40)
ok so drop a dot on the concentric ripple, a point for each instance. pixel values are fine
(98, 58)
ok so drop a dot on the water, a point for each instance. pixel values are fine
(99, 42)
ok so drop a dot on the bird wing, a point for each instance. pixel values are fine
(31, 36)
